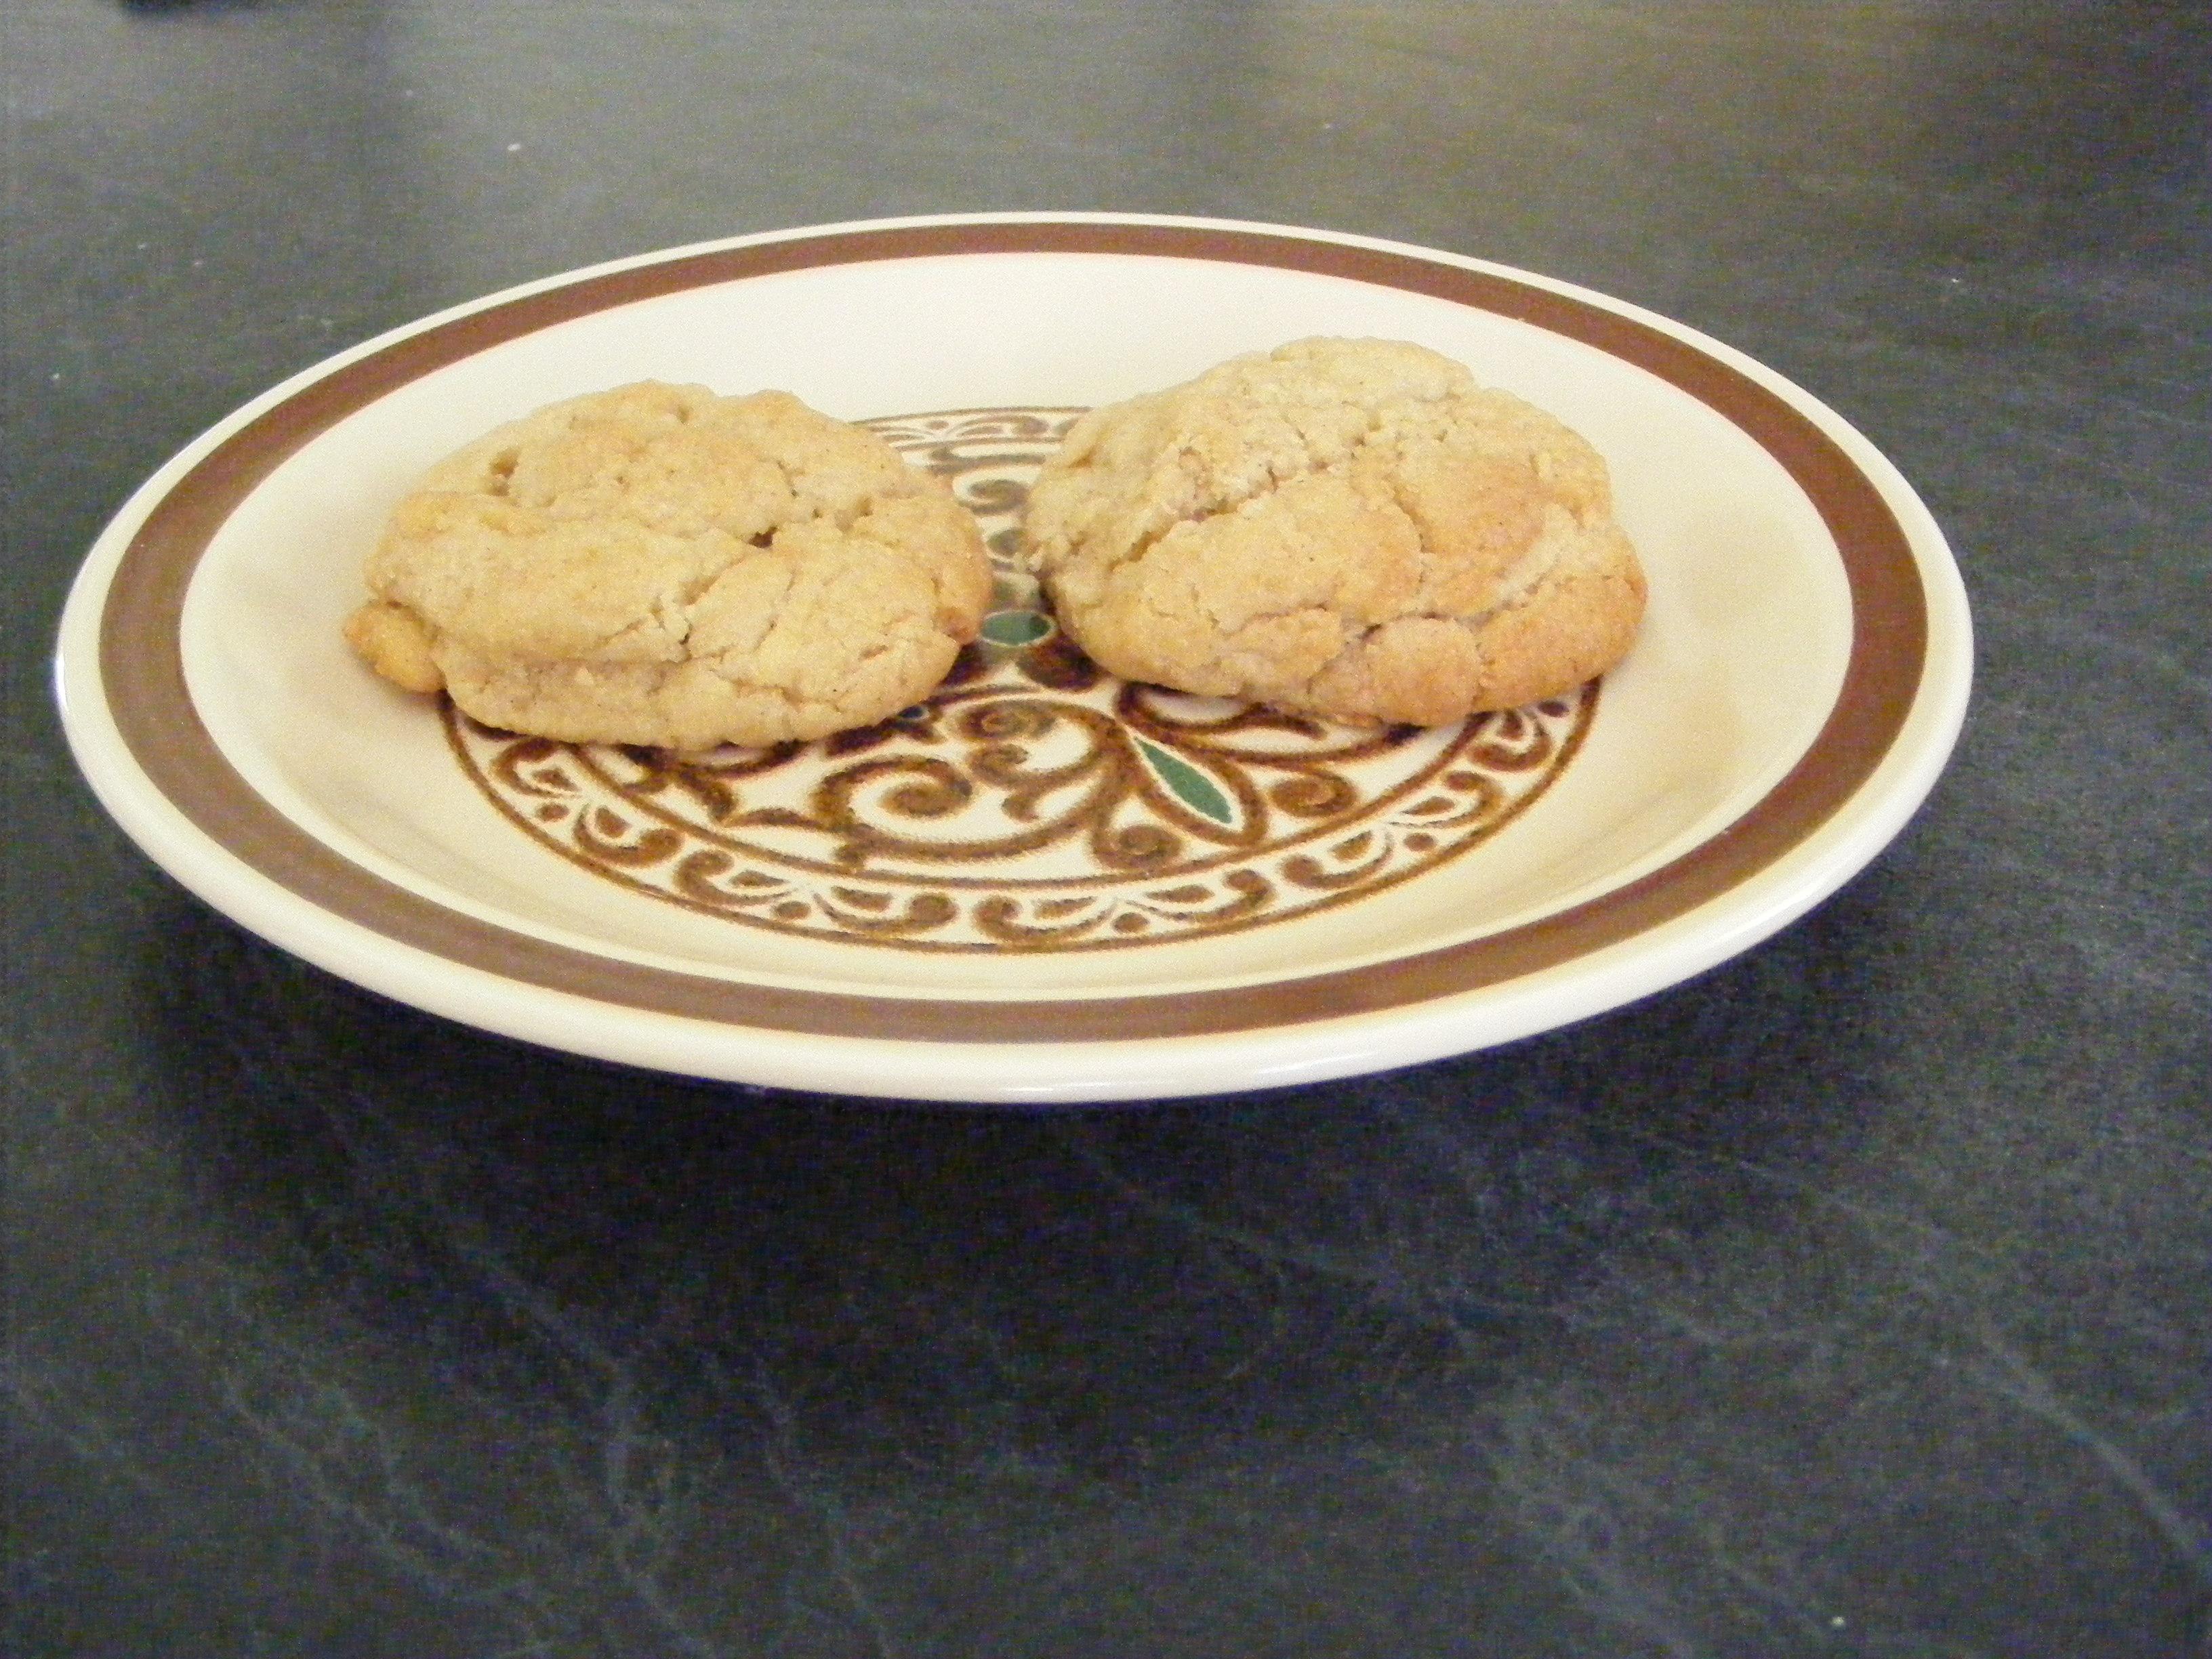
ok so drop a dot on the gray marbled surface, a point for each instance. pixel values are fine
(1854, 1299)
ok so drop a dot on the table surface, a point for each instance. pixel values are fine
(1850, 1299)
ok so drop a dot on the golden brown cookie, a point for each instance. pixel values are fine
(660, 565)
(1349, 528)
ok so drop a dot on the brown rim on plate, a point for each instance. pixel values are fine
(142, 664)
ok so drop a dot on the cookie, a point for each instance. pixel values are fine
(658, 565)
(1350, 528)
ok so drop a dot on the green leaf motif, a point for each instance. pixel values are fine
(1188, 784)
(1016, 627)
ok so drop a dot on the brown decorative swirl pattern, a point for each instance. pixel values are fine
(1032, 803)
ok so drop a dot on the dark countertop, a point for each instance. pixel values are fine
(1850, 1299)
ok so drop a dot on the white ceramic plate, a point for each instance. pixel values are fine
(1042, 886)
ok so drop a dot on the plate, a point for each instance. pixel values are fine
(1042, 885)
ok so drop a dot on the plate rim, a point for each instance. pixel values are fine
(1792, 847)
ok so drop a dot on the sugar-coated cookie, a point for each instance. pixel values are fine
(1348, 527)
(658, 565)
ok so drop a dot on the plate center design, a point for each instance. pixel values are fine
(1032, 802)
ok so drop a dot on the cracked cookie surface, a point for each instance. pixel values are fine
(662, 566)
(1352, 528)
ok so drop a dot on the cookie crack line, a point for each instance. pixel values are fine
(1527, 572)
(1234, 502)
